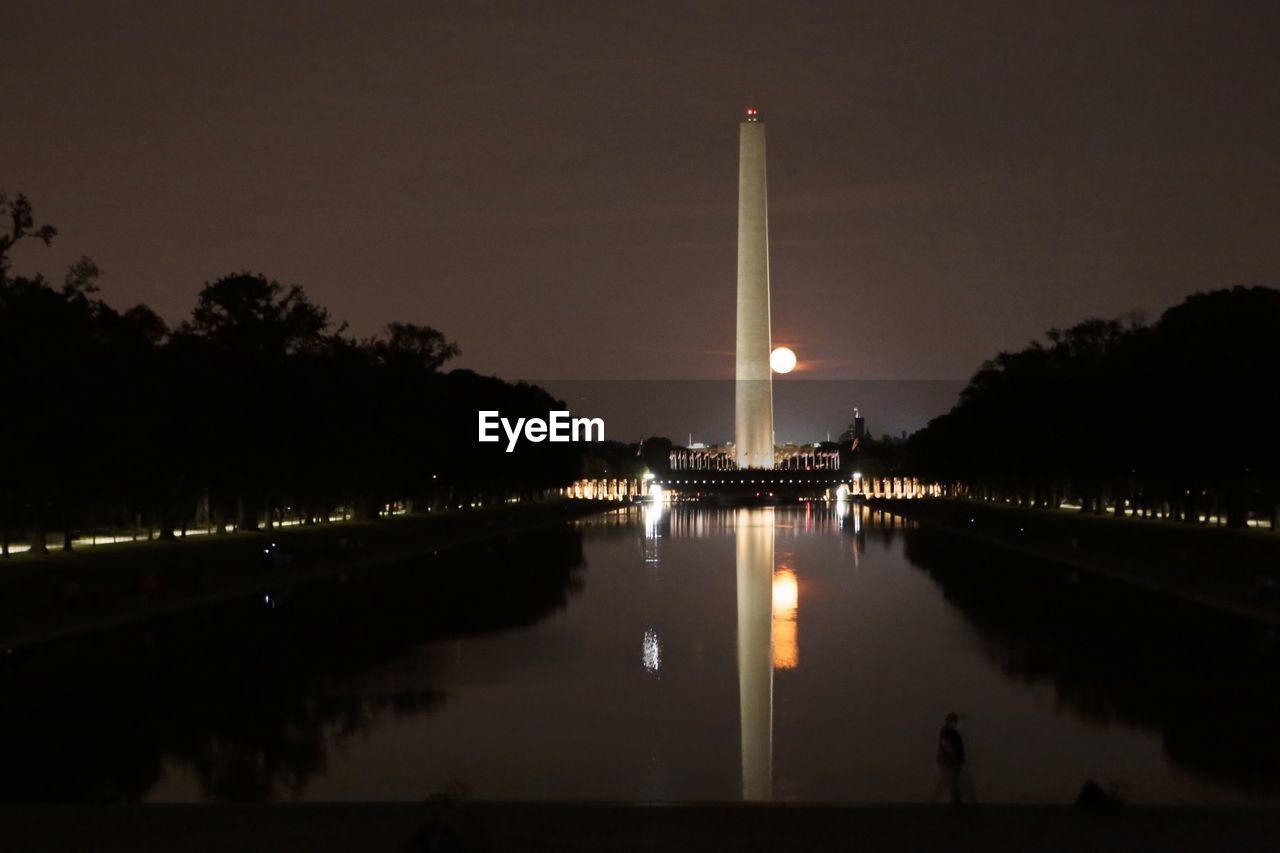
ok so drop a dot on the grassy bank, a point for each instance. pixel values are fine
(1233, 571)
(62, 594)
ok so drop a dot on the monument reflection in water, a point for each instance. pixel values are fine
(768, 601)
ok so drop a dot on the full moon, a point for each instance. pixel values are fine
(782, 360)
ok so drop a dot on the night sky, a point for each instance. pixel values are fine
(554, 185)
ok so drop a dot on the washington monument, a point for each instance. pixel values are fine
(753, 396)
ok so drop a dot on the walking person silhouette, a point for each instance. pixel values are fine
(951, 763)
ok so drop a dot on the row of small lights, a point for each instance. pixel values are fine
(154, 536)
(765, 482)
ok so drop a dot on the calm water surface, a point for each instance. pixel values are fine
(799, 653)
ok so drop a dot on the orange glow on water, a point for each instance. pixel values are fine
(786, 601)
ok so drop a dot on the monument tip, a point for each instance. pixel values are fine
(753, 114)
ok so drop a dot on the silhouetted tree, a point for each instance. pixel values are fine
(256, 406)
(1116, 412)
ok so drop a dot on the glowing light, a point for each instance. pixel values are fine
(652, 523)
(786, 592)
(782, 360)
(786, 599)
(651, 652)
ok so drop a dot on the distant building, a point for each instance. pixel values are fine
(856, 432)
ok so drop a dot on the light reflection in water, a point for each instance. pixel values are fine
(653, 513)
(651, 651)
(786, 593)
(754, 538)
(786, 598)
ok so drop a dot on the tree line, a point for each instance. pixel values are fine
(1175, 418)
(256, 407)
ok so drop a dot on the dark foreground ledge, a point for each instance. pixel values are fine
(604, 827)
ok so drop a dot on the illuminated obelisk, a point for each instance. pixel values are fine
(753, 395)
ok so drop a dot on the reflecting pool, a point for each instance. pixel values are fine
(805, 653)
